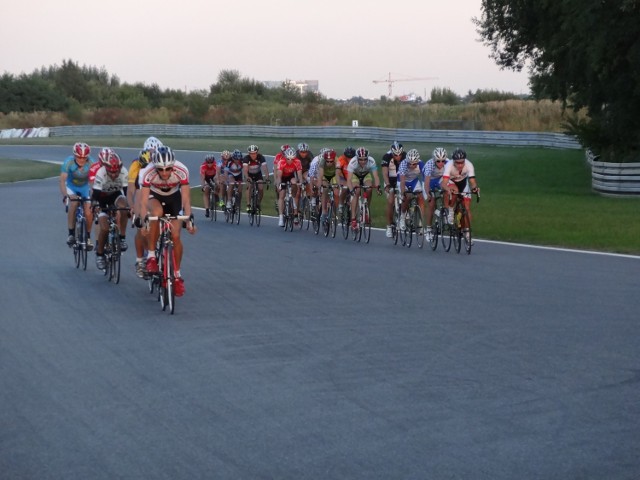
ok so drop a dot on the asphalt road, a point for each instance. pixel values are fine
(296, 356)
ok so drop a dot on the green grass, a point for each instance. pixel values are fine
(531, 195)
(17, 170)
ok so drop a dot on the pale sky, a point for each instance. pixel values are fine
(344, 44)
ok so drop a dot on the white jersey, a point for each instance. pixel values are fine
(313, 167)
(105, 184)
(458, 173)
(361, 171)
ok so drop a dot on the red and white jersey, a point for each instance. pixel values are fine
(208, 169)
(151, 178)
(458, 173)
(289, 169)
(93, 170)
(277, 159)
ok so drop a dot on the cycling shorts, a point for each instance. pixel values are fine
(171, 204)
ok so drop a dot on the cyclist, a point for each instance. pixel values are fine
(165, 191)
(208, 171)
(102, 161)
(109, 189)
(233, 172)
(150, 145)
(303, 153)
(433, 170)
(389, 166)
(255, 169)
(341, 170)
(409, 174)
(326, 178)
(459, 176)
(74, 183)
(225, 158)
(289, 170)
(364, 168)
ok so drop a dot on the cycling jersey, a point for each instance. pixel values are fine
(432, 171)
(411, 174)
(289, 169)
(234, 167)
(328, 169)
(305, 160)
(459, 174)
(93, 171)
(313, 168)
(77, 176)
(134, 171)
(341, 165)
(362, 170)
(389, 161)
(254, 164)
(179, 177)
(208, 170)
(106, 185)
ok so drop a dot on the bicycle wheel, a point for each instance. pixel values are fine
(402, 234)
(457, 238)
(408, 236)
(212, 205)
(435, 231)
(290, 214)
(446, 233)
(82, 240)
(326, 226)
(170, 277)
(116, 256)
(258, 216)
(236, 207)
(366, 225)
(345, 221)
(419, 228)
(252, 209)
(333, 221)
(466, 235)
(315, 220)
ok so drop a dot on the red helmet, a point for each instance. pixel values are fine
(81, 150)
(113, 164)
(329, 154)
(103, 156)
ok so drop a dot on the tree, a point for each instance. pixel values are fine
(585, 53)
(445, 96)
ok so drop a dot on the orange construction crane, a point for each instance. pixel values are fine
(390, 81)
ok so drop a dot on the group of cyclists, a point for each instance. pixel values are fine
(157, 184)
(402, 172)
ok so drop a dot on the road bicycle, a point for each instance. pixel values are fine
(396, 214)
(164, 280)
(288, 213)
(363, 217)
(330, 223)
(213, 201)
(304, 208)
(80, 246)
(233, 213)
(461, 228)
(112, 250)
(345, 218)
(439, 222)
(315, 211)
(255, 211)
(413, 222)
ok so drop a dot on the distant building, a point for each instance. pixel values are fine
(303, 85)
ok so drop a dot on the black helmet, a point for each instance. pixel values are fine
(349, 152)
(459, 154)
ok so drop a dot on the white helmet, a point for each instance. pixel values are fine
(439, 154)
(163, 157)
(413, 156)
(290, 153)
(152, 143)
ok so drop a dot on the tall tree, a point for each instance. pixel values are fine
(585, 53)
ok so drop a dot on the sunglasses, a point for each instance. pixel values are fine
(459, 162)
(439, 161)
(166, 169)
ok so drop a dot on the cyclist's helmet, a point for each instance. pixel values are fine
(237, 155)
(144, 157)
(440, 154)
(163, 157)
(113, 163)
(362, 153)
(209, 158)
(413, 156)
(303, 147)
(290, 153)
(349, 152)
(322, 151)
(81, 149)
(459, 154)
(253, 149)
(329, 154)
(226, 154)
(397, 148)
(103, 156)
(152, 143)
(284, 148)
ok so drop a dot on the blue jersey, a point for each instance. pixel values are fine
(77, 177)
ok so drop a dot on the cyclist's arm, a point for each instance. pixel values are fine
(63, 183)
(142, 200)
(185, 192)
(385, 175)
(376, 179)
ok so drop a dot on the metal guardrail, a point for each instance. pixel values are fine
(455, 137)
(614, 179)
